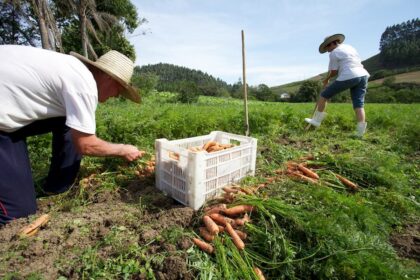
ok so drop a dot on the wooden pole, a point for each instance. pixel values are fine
(244, 85)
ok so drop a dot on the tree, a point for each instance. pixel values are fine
(145, 82)
(308, 91)
(264, 93)
(17, 25)
(187, 92)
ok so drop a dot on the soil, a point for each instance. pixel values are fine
(140, 213)
(407, 242)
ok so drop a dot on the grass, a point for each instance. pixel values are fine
(300, 231)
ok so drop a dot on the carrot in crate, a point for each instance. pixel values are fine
(203, 245)
(209, 144)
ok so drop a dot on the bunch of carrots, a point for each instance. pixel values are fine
(217, 219)
(211, 147)
(301, 171)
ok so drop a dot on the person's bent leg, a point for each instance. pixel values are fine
(17, 191)
(65, 161)
(358, 93)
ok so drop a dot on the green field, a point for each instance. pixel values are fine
(114, 224)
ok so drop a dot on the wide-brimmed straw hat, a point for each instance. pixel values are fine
(117, 66)
(329, 39)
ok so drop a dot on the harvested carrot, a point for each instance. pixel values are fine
(305, 178)
(221, 228)
(308, 172)
(241, 234)
(174, 155)
(242, 221)
(247, 190)
(239, 209)
(221, 220)
(259, 273)
(347, 182)
(229, 190)
(229, 197)
(206, 234)
(215, 148)
(226, 146)
(209, 144)
(235, 237)
(203, 245)
(34, 227)
(210, 225)
(215, 209)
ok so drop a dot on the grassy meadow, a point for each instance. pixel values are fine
(299, 231)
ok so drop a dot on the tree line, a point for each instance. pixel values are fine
(190, 83)
(400, 44)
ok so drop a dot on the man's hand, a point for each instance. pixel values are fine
(325, 82)
(130, 152)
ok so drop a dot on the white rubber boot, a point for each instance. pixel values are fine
(316, 119)
(361, 129)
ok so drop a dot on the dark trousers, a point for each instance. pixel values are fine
(17, 191)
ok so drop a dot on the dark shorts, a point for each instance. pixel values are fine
(357, 86)
(17, 191)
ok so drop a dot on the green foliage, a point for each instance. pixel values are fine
(146, 82)
(308, 91)
(400, 44)
(187, 92)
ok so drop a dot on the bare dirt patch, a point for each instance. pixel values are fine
(407, 243)
(138, 215)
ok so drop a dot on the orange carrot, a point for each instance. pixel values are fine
(203, 245)
(229, 190)
(308, 172)
(221, 228)
(34, 227)
(221, 220)
(239, 209)
(241, 234)
(305, 178)
(242, 221)
(259, 273)
(347, 182)
(210, 225)
(235, 237)
(215, 209)
(247, 190)
(209, 144)
(206, 234)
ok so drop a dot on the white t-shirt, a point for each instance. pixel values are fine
(37, 84)
(346, 60)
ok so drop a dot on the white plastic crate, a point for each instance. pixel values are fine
(194, 177)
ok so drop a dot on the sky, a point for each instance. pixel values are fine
(281, 36)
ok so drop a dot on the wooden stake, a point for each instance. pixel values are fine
(244, 85)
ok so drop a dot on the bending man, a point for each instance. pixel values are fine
(44, 91)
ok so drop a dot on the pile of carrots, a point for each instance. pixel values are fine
(217, 219)
(211, 147)
(301, 171)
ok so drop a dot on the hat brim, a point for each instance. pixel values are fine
(336, 37)
(129, 91)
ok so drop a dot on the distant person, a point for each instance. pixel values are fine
(345, 63)
(44, 91)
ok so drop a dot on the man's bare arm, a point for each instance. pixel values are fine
(89, 144)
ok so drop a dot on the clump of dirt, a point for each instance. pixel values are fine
(407, 243)
(140, 214)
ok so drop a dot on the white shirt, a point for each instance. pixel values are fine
(346, 60)
(37, 84)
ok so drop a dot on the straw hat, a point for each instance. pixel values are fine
(329, 39)
(117, 66)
